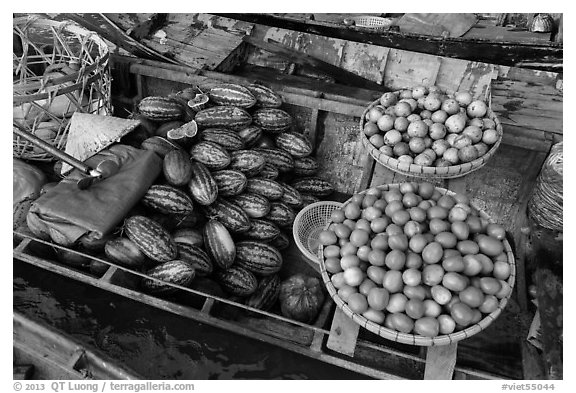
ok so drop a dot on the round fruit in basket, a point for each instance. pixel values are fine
(423, 115)
(417, 260)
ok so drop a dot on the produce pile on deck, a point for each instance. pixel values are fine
(234, 175)
(416, 260)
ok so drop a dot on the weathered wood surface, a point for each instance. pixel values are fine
(547, 55)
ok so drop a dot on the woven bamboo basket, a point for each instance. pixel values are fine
(429, 172)
(58, 68)
(372, 22)
(412, 339)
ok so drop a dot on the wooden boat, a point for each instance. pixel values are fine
(485, 42)
(43, 352)
(529, 104)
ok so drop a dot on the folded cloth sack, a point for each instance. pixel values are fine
(65, 213)
(27, 183)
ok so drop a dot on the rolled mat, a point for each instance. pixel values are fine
(66, 213)
(545, 205)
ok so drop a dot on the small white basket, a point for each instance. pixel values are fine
(372, 22)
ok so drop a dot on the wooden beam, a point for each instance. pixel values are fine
(440, 361)
(341, 75)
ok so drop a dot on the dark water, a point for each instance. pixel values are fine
(154, 343)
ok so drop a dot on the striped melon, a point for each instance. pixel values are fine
(174, 272)
(230, 182)
(266, 293)
(281, 242)
(196, 257)
(168, 200)
(202, 185)
(228, 139)
(294, 143)
(265, 97)
(279, 158)
(273, 120)
(291, 196)
(314, 186)
(160, 108)
(190, 236)
(228, 213)
(261, 229)
(232, 94)
(158, 145)
(254, 205)
(237, 281)
(219, 244)
(268, 188)
(281, 214)
(223, 116)
(151, 238)
(305, 166)
(250, 135)
(260, 258)
(249, 162)
(177, 167)
(269, 172)
(210, 154)
(124, 252)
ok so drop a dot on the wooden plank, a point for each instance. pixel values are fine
(530, 88)
(542, 123)
(21, 372)
(343, 334)
(440, 362)
(409, 69)
(341, 75)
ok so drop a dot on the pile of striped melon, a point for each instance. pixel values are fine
(235, 174)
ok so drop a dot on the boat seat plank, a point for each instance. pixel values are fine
(440, 361)
(485, 31)
(343, 334)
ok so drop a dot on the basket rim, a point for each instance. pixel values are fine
(296, 226)
(429, 172)
(413, 339)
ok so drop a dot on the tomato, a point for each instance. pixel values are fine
(350, 223)
(363, 224)
(431, 308)
(412, 277)
(457, 214)
(366, 286)
(414, 308)
(426, 190)
(440, 294)
(432, 253)
(342, 231)
(417, 292)
(446, 239)
(437, 225)
(412, 228)
(332, 265)
(453, 264)
(380, 204)
(395, 260)
(327, 238)
(417, 243)
(392, 194)
(353, 276)
(357, 303)
(489, 305)
(352, 211)
(407, 187)
(359, 237)
(432, 274)
(357, 199)
(376, 274)
(504, 291)
(467, 247)
(417, 214)
(337, 216)
(425, 205)
(438, 212)
(378, 298)
(331, 252)
(501, 270)
(413, 260)
(402, 322)
(474, 224)
(368, 200)
(374, 316)
(487, 264)
(410, 200)
(454, 281)
(392, 281)
(460, 229)
(461, 313)
(451, 253)
(377, 257)
(379, 242)
(348, 249)
(338, 280)
(490, 285)
(490, 245)
(447, 324)
(397, 303)
(400, 217)
(371, 213)
(348, 261)
(374, 191)
(398, 242)
(379, 224)
(471, 296)
(363, 252)
(447, 202)
(427, 326)
(393, 207)
(472, 265)
(345, 291)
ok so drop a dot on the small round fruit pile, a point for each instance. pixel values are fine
(416, 260)
(426, 127)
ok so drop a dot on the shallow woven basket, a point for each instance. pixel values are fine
(308, 224)
(429, 172)
(372, 22)
(42, 44)
(412, 339)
